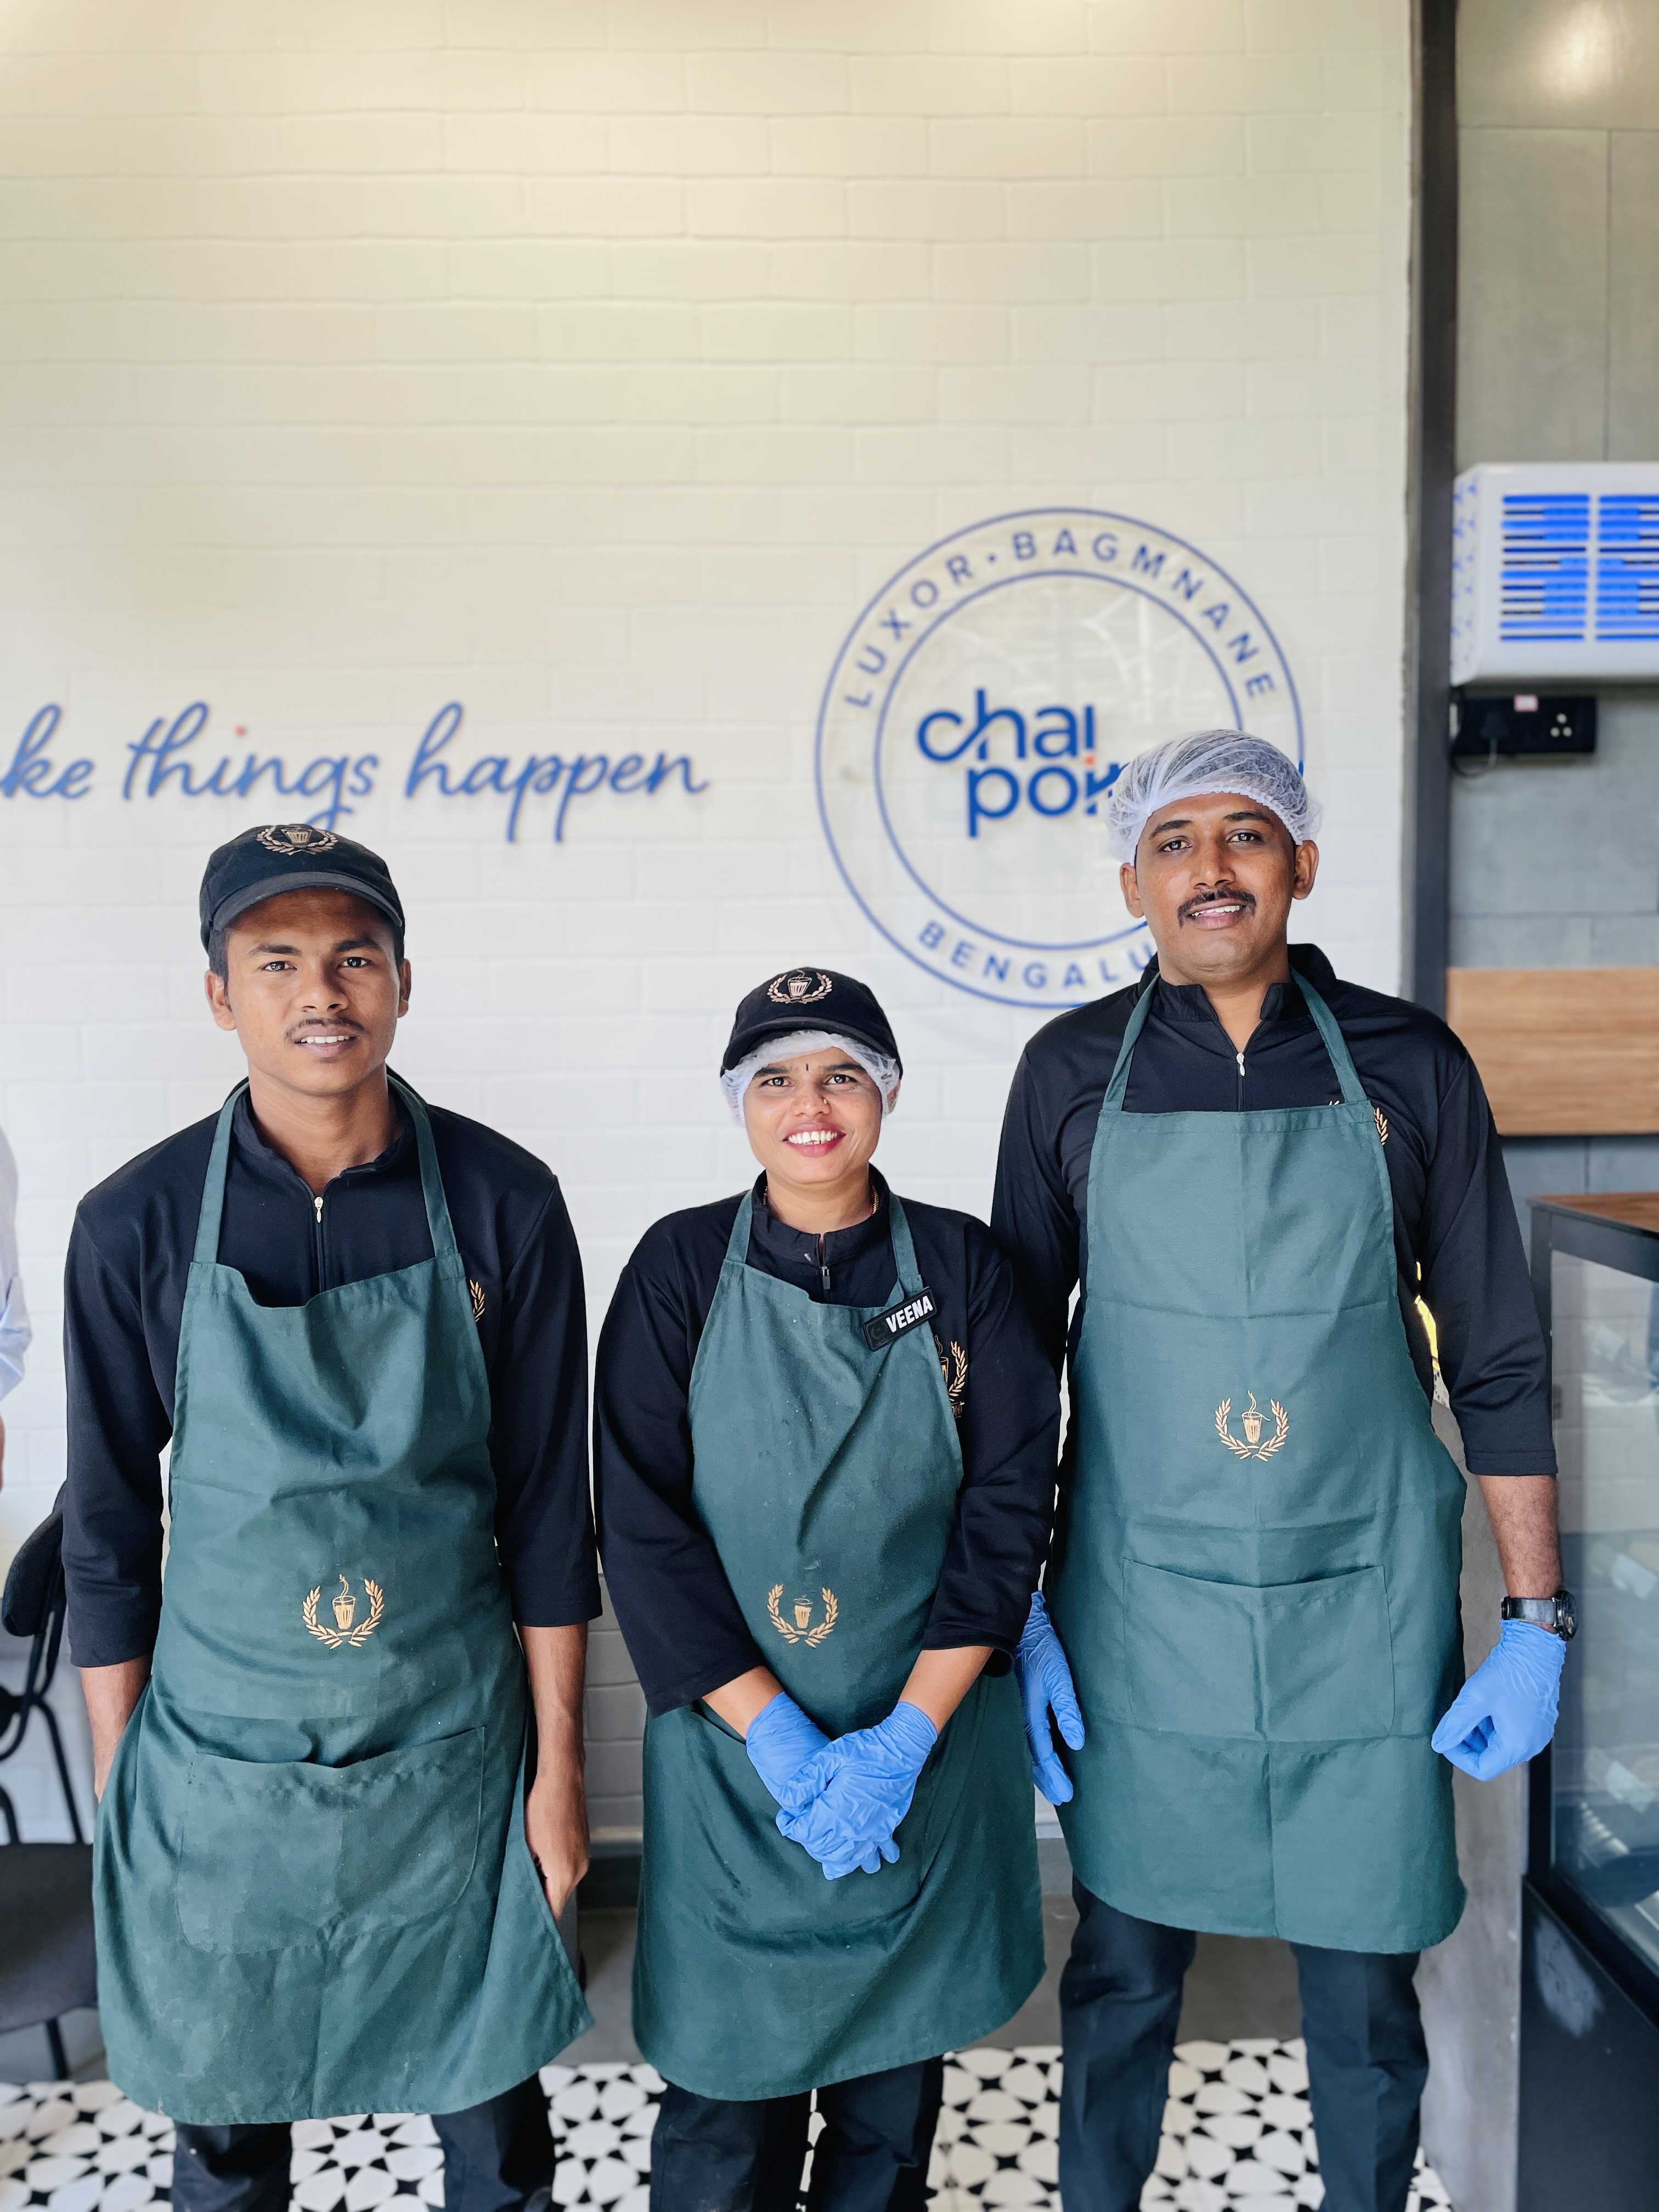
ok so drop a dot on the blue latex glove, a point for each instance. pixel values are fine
(1045, 1688)
(864, 1783)
(779, 1741)
(1505, 1712)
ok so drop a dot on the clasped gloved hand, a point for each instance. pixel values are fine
(864, 1783)
(1505, 1712)
(779, 1742)
(1045, 1688)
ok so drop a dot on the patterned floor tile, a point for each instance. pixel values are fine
(1236, 2133)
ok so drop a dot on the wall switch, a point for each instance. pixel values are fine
(1521, 725)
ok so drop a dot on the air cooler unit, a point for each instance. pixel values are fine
(1555, 573)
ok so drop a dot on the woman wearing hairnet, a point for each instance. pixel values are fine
(824, 1459)
(1252, 1168)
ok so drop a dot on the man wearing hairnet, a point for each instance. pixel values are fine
(1253, 1170)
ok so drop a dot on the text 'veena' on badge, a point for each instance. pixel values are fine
(894, 1322)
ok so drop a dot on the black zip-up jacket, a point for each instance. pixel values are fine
(682, 1625)
(1456, 1240)
(128, 1262)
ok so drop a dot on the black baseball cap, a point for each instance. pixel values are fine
(293, 856)
(810, 998)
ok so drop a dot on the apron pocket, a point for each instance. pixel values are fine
(273, 1855)
(1326, 1659)
(753, 1883)
(1190, 1653)
(1295, 1662)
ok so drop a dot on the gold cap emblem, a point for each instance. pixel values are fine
(1252, 1421)
(291, 839)
(799, 1628)
(801, 986)
(347, 1628)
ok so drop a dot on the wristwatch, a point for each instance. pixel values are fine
(1557, 1613)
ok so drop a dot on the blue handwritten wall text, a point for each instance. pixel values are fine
(175, 757)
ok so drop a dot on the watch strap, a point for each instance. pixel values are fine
(1555, 1613)
(1540, 1610)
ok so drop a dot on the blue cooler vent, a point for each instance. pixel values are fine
(1545, 571)
(1627, 566)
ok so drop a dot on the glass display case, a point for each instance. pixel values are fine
(1603, 1801)
(1589, 2053)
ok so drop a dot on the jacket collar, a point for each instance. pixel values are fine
(1190, 1002)
(260, 1156)
(839, 1246)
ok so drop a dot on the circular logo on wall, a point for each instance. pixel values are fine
(981, 709)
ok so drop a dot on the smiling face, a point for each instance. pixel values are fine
(813, 1122)
(1214, 878)
(313, 989)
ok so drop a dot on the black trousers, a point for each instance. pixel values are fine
(1120, 1999)
(715, 2155)
(498, 2157)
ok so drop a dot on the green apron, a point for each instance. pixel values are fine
(314, 1891)
(1257, 1558)
(827, 1474)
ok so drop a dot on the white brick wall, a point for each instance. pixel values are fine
(591, 363)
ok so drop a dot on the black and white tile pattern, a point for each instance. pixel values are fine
(1236, 2132)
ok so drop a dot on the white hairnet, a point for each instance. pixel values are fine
(883, 1071)
(1208, 761)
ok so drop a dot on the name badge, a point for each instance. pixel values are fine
(897, 1319)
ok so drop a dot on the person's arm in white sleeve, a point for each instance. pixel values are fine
(13, 1314)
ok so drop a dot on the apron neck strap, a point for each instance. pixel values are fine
(213, 1190)
(444, 1246)
(1137, 1022)
(904, 1251)
(1324, 1022)
(1335, 1044)
(737, 1244)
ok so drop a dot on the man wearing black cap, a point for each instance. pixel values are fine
(331, 1848)
(825, 1457)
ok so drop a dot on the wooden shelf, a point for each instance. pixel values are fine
(1562, 1052)
(1630, 1209)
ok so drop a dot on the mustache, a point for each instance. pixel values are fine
(313, 1023)
(1190, 906)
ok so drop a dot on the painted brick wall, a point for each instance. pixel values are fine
(591, 364)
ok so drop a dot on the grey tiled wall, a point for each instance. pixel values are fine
(615, 1718)
(1554, 865)
(1558, 865)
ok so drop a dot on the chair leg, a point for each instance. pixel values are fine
(50, 1720)
(59, 2056)
(8, 1814)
